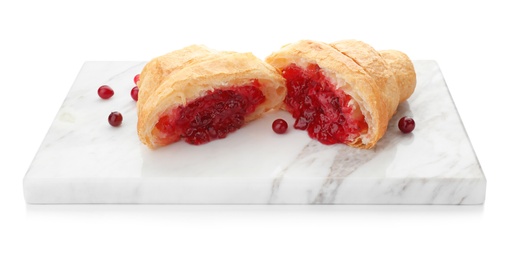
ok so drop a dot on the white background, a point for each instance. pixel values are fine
(44, 43)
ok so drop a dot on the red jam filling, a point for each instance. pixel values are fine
(212, 116)
(321, 109)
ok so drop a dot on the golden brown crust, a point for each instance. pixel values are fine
(403, 69)
(360, 72)
(373, 63)
(184, 75)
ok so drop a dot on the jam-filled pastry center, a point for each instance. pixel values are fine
(213, 115)
(328, 114)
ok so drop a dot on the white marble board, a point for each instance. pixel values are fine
(84, 160)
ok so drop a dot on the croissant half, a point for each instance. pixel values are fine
(200, 94)
(343, 92)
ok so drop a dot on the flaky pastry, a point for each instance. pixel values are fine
(343, 92)
(200, 94)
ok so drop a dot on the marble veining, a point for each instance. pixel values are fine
(84, 160)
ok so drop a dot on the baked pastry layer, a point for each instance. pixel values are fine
(376, 82)
(178, 78)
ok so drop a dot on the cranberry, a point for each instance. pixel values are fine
(406, 124)
(134, 93)
(136, 78)
(115, 118)
(105, 92)
(279, 126)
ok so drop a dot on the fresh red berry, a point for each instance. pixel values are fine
(115, 118)
(105, 92)
(134, 93)
(406, 124)
(136, 78)
(279, 126)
